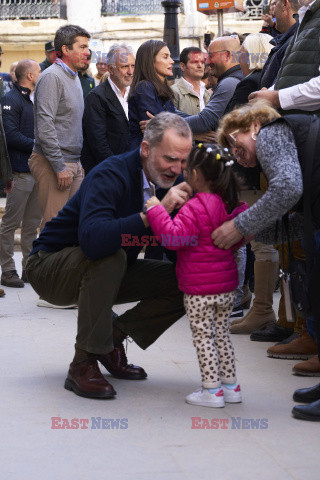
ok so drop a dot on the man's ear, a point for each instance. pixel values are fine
(228, 56)
(182, 66)
(145, 149)
(65, 50)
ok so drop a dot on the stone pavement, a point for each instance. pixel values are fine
(159, 442)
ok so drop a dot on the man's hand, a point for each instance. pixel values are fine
(272, 96)
(143, 124)
(207, 137)
(177, 196)
(152, 202)
(268, 19)
(9, 187)
(226, 236)
(64, 180)
(144, 218)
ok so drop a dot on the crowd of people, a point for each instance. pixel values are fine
(202, 174)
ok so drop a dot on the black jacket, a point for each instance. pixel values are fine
(246, 86)
(5, 166)
(18, 123)
(272, 65)
(105, 127)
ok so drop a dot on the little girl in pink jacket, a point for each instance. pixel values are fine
(206, 274)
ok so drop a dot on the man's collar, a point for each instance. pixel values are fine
(190, 86)
(65, 67)
(302, 11)
(114, 87)
(228, 72)
(23, 90)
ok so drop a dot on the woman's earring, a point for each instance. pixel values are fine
(253, 136)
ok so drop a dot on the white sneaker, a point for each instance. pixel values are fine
(204, 398)
(43, 303)
(232, 394)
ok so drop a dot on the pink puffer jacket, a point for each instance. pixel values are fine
(202, 268)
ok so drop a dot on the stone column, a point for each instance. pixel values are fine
(85, 13)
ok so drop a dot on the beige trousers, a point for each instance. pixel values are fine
(51, 199)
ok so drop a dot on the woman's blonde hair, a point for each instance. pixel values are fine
(243, 117)
(258, 47)
(104, 77)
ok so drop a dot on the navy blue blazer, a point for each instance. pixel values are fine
(144, 98)
(106, 206)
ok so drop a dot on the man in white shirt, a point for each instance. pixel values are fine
(105, 119)
(304, 96)
(190, 93)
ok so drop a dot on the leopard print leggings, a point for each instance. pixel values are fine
(209, 322)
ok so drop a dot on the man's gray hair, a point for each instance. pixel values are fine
(116, 50)
(162, 122)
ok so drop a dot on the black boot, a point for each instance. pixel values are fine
(308, 412)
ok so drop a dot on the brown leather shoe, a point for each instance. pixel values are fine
(310, 368)
(302, 348)
(116, 363)
(86, 380)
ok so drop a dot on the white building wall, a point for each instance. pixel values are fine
(25, 38)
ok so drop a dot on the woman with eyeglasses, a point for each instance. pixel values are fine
(287, 151)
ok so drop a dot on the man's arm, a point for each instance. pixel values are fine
(100, 227)
(209, 117)
(305, 96)
(11, 118)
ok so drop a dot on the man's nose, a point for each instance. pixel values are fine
(176, 169)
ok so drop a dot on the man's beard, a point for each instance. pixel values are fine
(156, 177)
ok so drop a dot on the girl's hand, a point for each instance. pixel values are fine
(153, 201)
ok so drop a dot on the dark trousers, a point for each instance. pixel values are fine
(67, 277)
(314, 283)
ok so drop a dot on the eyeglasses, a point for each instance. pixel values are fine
(232, 135)
(218, 51)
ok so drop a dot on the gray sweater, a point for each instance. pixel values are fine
(208, 118)
(58, 111)
(278, 157)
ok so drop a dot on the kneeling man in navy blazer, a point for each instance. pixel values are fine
(84, 256)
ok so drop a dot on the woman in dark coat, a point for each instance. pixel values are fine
(150, 91)
(253, 55)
